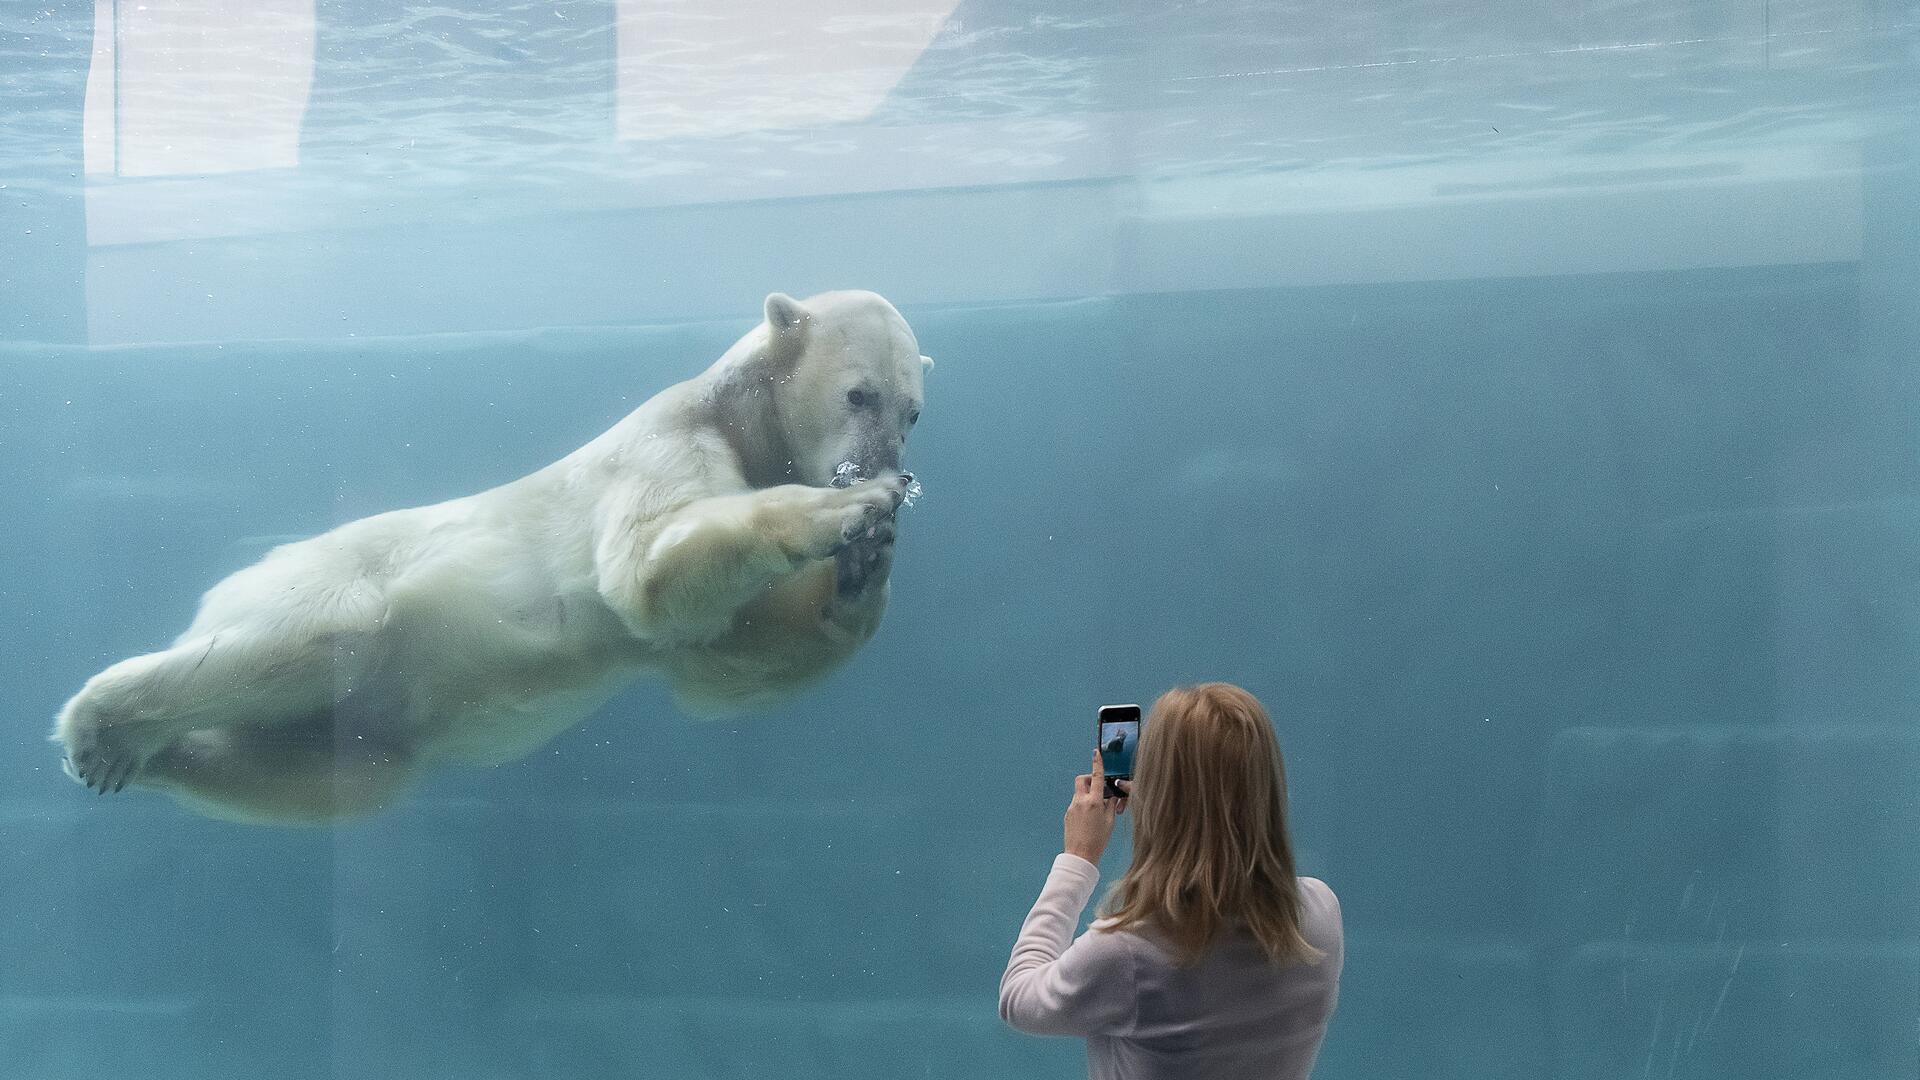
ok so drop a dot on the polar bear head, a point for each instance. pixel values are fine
(844, 375)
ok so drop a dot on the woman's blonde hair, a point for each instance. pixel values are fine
(1210, 843)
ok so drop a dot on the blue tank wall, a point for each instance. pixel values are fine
(1585, 608)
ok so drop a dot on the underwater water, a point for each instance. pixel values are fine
(1523, 400)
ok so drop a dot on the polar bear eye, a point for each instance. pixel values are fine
(856, 398)
(913, 417)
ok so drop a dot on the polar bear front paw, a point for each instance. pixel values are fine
(864, 560)
(858, 515)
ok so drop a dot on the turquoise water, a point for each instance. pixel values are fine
(1521, 402)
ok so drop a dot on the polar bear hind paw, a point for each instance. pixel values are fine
(99, 760)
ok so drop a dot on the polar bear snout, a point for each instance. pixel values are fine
(850, 473)
(870, 462)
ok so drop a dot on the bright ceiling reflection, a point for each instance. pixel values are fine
(729, 66)
(195, 87)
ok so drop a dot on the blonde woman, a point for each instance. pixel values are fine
(1211, 959)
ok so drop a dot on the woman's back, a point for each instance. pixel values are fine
(1213, 960)
(1235, 1013)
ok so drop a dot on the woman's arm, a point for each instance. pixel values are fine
(1086, 988)
(1053, 988)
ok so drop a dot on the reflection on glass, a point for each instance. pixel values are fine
(742, 65)
(197, 86)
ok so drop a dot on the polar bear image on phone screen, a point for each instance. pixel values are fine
(733, 535)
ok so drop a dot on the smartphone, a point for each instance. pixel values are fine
(1118, 737)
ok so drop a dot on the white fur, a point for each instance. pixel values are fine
(697, 539)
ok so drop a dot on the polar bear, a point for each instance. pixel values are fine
(734, 534)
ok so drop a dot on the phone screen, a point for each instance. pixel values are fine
(1119, 740)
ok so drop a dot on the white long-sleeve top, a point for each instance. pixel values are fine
(1235, 1015)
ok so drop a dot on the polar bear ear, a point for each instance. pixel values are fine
(926, 364)
(784, 313)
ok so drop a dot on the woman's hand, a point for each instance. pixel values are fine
(1090, 816)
